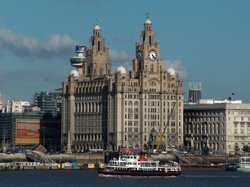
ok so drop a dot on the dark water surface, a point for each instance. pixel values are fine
(44, 178)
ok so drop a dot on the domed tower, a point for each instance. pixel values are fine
(97, 64)
(147, 51)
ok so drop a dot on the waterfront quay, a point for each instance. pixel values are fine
(48, 166)
(90, 160)
(19, 161)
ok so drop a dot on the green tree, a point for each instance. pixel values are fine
(246, 148)
(236, 149)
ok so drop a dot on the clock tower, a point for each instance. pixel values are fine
(147, 52)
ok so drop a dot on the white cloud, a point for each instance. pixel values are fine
(31, 47)
(178, 67)
(120, 58)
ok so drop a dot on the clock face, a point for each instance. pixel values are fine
(152, 55)
(139, 55)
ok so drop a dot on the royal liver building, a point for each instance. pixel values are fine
(105, 110)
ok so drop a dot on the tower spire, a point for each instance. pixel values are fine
(96, 21)
(97, 25)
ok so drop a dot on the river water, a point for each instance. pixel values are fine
(90, 178)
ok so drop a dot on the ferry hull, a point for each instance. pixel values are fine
(104, 172)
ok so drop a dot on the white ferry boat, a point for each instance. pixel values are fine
(135, 165)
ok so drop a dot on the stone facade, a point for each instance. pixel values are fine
(105, 110)
(222, 127)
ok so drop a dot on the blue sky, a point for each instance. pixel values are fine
(204, 40)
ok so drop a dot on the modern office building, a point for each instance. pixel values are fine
(105, 110)
(17, 106)
(194, 92)
(48, 102)
(220, 126)
(1, 104)
(23, 131)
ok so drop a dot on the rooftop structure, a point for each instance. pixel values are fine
(194, 94)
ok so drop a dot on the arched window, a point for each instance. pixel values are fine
(82, 107)
(76, 109)
(85, 107)
(153, 83)
(89, 107)
(99, 45)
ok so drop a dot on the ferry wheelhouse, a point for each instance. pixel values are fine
(135, 165)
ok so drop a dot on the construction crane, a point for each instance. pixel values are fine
(160, 143)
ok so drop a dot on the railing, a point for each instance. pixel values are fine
(183, 158)
(38, 157)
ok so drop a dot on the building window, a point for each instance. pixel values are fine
(130, 123)
(172, 130)
(136, 116)
(130, 116)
